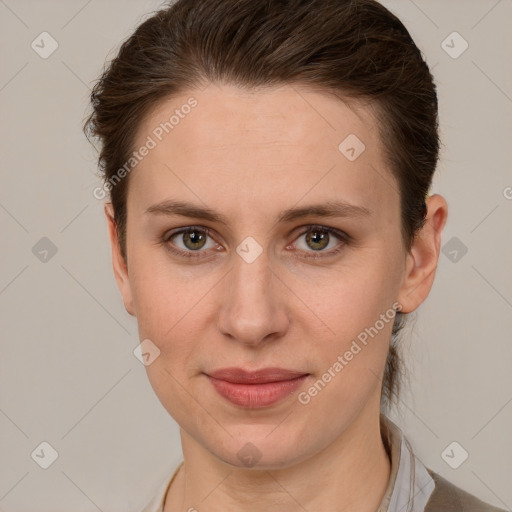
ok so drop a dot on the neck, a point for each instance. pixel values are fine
(352, 473)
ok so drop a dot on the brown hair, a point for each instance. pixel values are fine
(355, 48)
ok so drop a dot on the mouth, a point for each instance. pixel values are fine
(255, 389)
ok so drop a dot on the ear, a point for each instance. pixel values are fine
(118, 263)
(422, 259)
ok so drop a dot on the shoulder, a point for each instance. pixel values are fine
(447, 497)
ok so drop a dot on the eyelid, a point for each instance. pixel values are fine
(306, 228)
(177, 231)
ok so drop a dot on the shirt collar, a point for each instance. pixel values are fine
(410, 484)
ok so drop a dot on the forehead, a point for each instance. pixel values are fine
(279, 143)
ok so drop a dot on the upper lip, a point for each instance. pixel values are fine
(241, 376)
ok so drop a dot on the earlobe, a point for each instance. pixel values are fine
(118, 262)
(423, 257)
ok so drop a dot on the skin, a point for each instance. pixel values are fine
(250, 155)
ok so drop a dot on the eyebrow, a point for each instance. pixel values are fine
(326, 209)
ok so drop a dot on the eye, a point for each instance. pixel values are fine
(321, 241)
(194, 241)
(189, 242)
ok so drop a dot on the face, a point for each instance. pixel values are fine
(285, 251)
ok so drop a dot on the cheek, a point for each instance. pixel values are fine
(160, 291)
(173, 306)
(168, 311)
(354, 296)
(357, 307)
(350, 366)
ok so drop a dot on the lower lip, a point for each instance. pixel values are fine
(254, 396)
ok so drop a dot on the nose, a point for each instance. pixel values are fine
(254, 309)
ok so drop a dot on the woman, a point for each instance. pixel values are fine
(268, 165)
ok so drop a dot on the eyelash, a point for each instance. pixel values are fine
(343, 237)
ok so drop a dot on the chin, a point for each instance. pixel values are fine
(261, 447)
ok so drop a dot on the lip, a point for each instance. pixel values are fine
(255, 389)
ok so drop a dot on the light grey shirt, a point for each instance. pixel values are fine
(409, 487)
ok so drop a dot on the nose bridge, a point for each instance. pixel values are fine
(251, 312)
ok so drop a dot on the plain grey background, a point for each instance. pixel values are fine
(68, 375)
